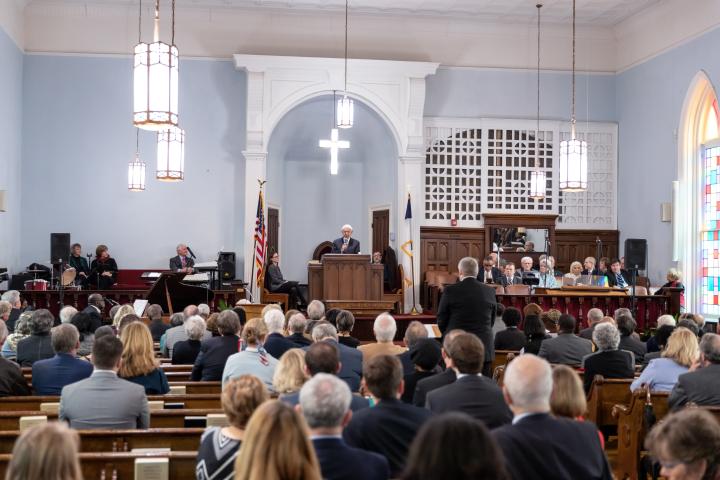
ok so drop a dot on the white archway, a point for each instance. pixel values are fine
(395, 90)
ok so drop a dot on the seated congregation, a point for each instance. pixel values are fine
(505, 394)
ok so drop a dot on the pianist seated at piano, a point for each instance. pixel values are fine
(275, 282)
(182, 262)
(103, 270)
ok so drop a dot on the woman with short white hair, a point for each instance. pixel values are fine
(608, 361)
(185, 352)
(674, 280)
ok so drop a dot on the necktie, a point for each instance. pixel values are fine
(182, 261)
(620, 280)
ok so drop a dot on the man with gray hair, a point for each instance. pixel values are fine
(38, 345)
(325, 402)
(203, 310)
(414, 332)
(562, 448)
(275, 342)
(51, 375)
(12, 381)
(384, 329)
(594, 317)
(346, 244)
(296, 327)
(182, 262)
(315, 313)
(178, 334)
(157, 326)
(608, 361)
(351, 359)
(67, 313)
(470, 305)
(700, 385)
(12, 297)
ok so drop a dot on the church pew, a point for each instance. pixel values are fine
(499, 371)
(173, 376)
(122, 465)
(632, 429)
(166, 367)
(158, 418)
(198, 387)
(501, 358)
(193, 401)
(177, 439)
(604, 395)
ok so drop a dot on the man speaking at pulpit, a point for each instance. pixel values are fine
(346, 244)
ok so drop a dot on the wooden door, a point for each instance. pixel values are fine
(273, 229)
(381, 230)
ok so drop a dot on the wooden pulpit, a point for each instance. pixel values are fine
(345, 278)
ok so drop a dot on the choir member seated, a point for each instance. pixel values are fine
(103, 270)
(80, 264)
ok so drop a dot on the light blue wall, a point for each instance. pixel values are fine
(460, 92)
(313, 204)
(11, 92)
(77, 142)
(650, 98)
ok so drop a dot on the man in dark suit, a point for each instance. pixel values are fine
(626, 326)
(700, 385)
(538, 445)
(594, 317)
(512, 338)
(470, 306)
(104, 400)
(390, 427)
(351, 359)
(323, 357)
(608, 361)
(566, 348)
(616, 277)
(296, 327)
(157, 327)
(96, 305)
(38, 345)
(51, 375)
(448, 376)
(414, 332)
(275, 343)
(324, 402)
(489, 273)
(510, 276)
(471, 393)
(346, 244)
(182, 262)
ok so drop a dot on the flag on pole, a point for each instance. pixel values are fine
(408, 209)
(409, 243)
(260, 233)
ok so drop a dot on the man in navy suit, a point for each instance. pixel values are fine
(537, 445)
(351, 359)
(275, 343)
(325, 402)
(51, 375)
(346, 244)
(511, 277)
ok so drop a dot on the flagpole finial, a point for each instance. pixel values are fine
(261, 183)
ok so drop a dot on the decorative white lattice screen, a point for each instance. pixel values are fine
(483, 166)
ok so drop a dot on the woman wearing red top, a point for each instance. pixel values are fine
(568, 396)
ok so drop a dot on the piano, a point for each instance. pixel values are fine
(173, 295)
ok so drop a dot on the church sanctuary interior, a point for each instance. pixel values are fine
(359, 239)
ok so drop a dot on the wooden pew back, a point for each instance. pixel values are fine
(604, 395)
(193, 401)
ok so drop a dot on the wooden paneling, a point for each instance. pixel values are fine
(571, 245)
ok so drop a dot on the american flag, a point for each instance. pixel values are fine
(260, 233)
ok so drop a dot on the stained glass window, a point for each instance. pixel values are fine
(711, 232)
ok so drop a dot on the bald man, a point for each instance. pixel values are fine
(346, 244)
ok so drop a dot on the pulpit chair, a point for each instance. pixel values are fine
(442, 279)
(270, 297)
(428, 283)
(397, 296)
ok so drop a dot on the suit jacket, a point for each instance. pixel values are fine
(299, 340)
(408, 366)
(274, 279)
(34, 348)
(635, 346)
(469, 305)
(353, 246)
(427, 385)
(494, 271)
(12, 318)
(512, 338)
(541, 447)
(95, 315)
(566, 348)
(388, 429)
(157, 329)
(210, 362)
(176, 263)
(371, 350)
(609, 364)
(275, 344)
(103, 401)
(411, 380)
(586, 333)
(613, 281)
(12, 381)
(51, 375)
(475, 395)
(700, 387)
(338, 461)
(516, 280)
(357, 402)
(352, 363)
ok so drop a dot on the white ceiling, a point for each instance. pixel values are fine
(597, 12)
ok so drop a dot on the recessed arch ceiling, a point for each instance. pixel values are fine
(598, 12)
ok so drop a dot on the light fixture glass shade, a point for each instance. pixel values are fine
(155, 92)
(345, 112)
(538, 185)
(136, 175)
(573, 165)
(171, 155)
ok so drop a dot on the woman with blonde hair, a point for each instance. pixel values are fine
(263, 457)
(120, 314)
(574, 274)
(290, 374)
(253, 359)
(47, 451)
(219, 445)
(138, 360)
(568, 396)
(661, 374)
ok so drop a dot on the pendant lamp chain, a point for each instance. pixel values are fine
(538, 178)
(345, 108)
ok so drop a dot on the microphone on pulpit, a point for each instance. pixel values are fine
(191, 252)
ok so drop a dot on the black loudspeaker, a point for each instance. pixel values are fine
(635, 253)
(17, 281)
(226, 265)
(59, 247)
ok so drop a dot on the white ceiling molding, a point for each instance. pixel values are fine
(12, 20)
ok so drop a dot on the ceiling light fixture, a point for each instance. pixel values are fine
(171, 155)
(136, 168)
(538, 179)
(345, 107)
(334, 144)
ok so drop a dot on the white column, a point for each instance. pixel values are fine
(255, 168)
(410, 177)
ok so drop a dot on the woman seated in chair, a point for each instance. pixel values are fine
(674, 280)
(275, 283)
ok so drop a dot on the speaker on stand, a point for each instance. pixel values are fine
(635, 259)
(226, 267)
(59, 255)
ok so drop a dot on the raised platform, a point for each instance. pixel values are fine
(360, 308)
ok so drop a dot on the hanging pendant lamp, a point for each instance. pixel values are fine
(573, 152)
(171, 155)
(136, 169)
(345, 109)
(538, 179)
(334, 144)
(155, 73)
